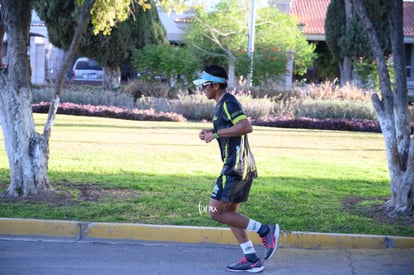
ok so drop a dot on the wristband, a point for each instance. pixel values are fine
(215, 135)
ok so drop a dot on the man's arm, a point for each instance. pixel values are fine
(240, 128)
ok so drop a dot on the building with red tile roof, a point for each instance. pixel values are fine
(311, 17)
(409, 21)
(311, 14)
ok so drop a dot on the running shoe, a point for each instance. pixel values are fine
(245, 265)
(270, 241)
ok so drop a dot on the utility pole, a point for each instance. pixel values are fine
(250, 46)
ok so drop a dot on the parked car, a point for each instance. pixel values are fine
(86, 69)
(410, 87)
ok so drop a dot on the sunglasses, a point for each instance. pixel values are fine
(204, 85)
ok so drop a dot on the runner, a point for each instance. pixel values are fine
(232, 187)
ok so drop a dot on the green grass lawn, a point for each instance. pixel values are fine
(109, 170)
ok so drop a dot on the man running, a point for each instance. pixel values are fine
(230, 126)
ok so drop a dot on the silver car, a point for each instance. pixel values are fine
(87, 69)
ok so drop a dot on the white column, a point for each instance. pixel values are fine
(38, 59)
(289, 71)
(250, 46)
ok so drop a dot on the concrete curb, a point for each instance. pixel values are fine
(190, 234)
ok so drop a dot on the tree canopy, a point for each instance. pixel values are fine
(345, 37)
(109, 48)
(221, 36)
(141, 28)
(106, 14)
(176, 63)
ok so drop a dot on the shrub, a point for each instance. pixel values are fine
(148, 88)
(324, 101)
(194, 107)
(257, 107)
(330, 90)
(93, 95)
(268, 88)
(325, 124)
(108, 111)
(198, 107)
(328, 100)
(154, 103)
(334, 108)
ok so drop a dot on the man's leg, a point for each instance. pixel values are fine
(227, 213)
(241, 234)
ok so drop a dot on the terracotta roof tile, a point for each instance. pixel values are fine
(408, 18)
(312, 13)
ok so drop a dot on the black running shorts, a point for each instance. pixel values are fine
(231, 189)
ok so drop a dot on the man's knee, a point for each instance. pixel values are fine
(215, 212)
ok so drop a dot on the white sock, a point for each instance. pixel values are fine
(253, 225)
(248, 248)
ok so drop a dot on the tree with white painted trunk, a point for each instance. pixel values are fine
(27, 149)
(392, 110)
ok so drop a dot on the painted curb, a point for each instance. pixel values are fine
(191, 234)
(50, 228)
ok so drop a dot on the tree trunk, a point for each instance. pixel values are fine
(346, 66)
(1, 38)
(346, 71)
(392, 111)
(112, 78)
(27, 151)
(84, 20)
(402, 199)
(231, 71)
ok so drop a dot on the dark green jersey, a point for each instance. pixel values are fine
(227, 113)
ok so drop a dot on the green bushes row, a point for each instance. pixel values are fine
(84, 95)
(320, 102)
(334, 108)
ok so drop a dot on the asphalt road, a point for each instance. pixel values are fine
(59, 256)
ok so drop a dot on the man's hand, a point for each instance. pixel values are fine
(206, 135)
